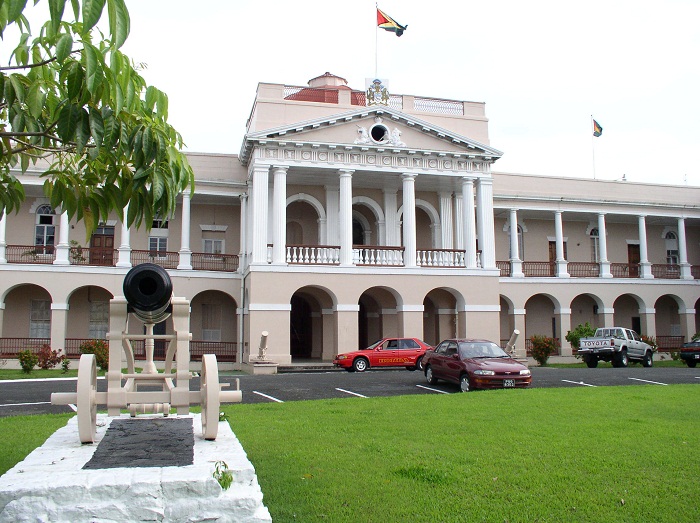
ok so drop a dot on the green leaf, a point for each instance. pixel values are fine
(151, 97)
(64, 47)
(35, 100)
(56, 8)
(14, 9)
(92, 11)
(17, 86)
(93, 67)
(97, 128)
(69, 118)
(75, 78)
(119, 22)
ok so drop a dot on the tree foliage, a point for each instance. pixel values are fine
(582, 330)
(70, 99)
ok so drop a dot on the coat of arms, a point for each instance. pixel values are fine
(377, 94)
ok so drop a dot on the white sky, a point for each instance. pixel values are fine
(542, 67)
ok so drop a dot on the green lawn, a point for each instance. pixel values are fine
(609, 454)
(548, 455)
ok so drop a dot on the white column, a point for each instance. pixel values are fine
(243, 247)
(458, 221)
(409, 219)
(279, 215)
(259, 213)
(3, 241)
(469, 221)
(603, 244)
(332, 201)
(345, 215)
(185, 254)
(446, 220)
(561, 262)
(516, 264)
(644, 264)
(683, 251)
(484, 198)
(124, 249)
(63, 247)
(390, 214)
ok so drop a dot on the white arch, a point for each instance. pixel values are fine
(435, 223)
(311, 200)
(378, 215)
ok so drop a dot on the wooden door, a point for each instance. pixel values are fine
(102, 249)
(633, 260)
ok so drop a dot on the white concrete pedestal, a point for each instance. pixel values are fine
(51, 485)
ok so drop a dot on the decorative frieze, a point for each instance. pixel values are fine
(384, 158)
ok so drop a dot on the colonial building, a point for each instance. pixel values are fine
(350, 215)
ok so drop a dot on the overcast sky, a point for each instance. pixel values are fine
(542, 68)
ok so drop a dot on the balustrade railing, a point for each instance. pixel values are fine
(624, 270)
(202, 261)
(504, 267)
(441, 258)
(667, 271)
(10, 347)
(583, 269)
(30, 254)
(166, 259)
(313, 254)
(536, 268)
(669, 343)
(378, 256)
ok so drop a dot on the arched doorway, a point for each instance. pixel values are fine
(312, 325)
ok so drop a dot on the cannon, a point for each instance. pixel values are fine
(148, 299)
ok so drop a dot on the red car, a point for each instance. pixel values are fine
(387, 352)
(474, 364)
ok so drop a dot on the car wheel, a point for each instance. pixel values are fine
(432, 380)
(464, 383)
(620, 359)
(592, 362)
(360, 365)
(691, 364)
(648, 360)
(419, 363)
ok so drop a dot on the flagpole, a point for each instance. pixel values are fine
(592, 145)
(376, 40)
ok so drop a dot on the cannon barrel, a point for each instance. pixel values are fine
(148, 291)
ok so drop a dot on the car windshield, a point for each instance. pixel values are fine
(376, 344)
(480, 349)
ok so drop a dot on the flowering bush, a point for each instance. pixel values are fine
(27, 360)
(543, 347)
(100, 349)
(48, 358)
(650, 340)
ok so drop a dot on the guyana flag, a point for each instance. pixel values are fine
(389, 24)
(597, 129)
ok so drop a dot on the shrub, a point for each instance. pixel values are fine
(696, 336)
(543, 347)
(581, 331)
(48, 358)
(65, 364)
(100, 349)
(27, 360)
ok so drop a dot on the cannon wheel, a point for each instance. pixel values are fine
(209, 395)
(86, 404)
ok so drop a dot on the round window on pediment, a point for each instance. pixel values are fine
(379, 133)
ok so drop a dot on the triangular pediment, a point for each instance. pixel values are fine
(368, 128)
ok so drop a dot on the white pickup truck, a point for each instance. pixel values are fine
(617, 345)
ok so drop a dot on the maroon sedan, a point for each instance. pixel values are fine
(387, 352)
(474, 364)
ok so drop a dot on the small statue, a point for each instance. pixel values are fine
(363, 135)
(395, 138)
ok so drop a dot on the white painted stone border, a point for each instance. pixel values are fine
(51, 485)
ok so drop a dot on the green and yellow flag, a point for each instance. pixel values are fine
(597, 129)
(389, 24)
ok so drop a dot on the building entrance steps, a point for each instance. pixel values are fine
(51, 484)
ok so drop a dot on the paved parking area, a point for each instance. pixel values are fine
(33, 396)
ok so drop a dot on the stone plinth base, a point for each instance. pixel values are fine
(260, 367)
(51, 484)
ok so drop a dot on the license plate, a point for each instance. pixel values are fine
(697, 356)
(508, 383)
